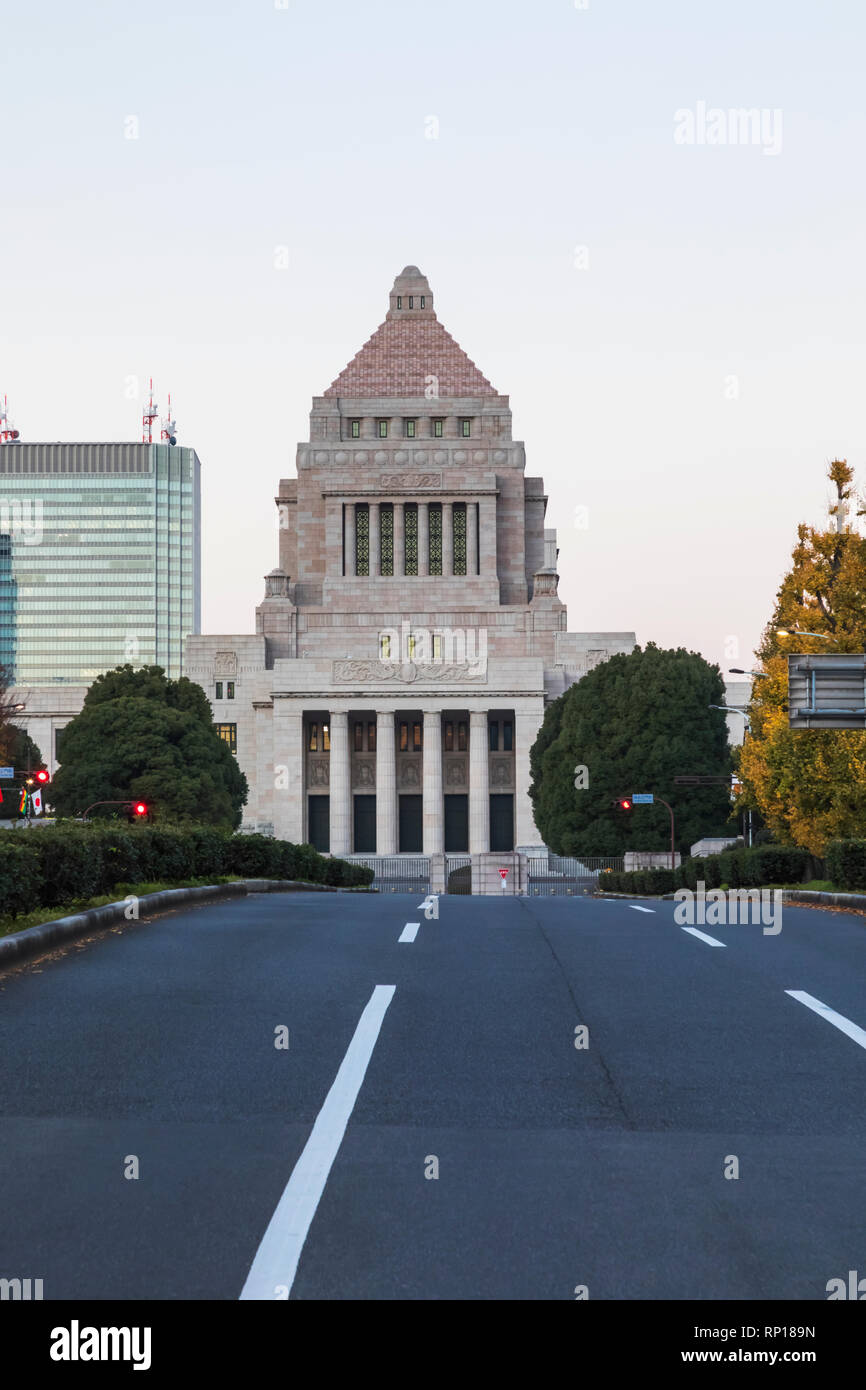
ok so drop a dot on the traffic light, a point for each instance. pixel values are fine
(623, 803)
(43, 776)
(139, 809)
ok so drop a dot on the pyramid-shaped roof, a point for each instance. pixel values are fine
(409, 349)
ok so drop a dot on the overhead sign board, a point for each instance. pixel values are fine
(642, 799)
(7, 772)
(827, 691)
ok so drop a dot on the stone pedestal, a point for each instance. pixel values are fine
(438, 875)
(487, 879)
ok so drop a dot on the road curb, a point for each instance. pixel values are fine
(35, 941)
(811, 895)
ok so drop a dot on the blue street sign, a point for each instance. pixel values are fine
(643, 798)
(7, 772)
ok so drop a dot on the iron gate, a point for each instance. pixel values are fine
(566, 876)
(396, 873)
(458, 873)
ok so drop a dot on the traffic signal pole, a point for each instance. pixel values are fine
(673, 841)
(627, 803)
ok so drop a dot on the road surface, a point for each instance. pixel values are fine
(560, 1168)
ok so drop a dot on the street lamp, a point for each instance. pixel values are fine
(758, 675)
(747, 728)
(798, 632)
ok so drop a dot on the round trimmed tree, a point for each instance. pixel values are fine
(142, 737)
(632, 725)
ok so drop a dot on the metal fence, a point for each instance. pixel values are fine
(396, 873)
(458, 873)
(566, 876)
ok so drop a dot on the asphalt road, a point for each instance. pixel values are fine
(558, 1167)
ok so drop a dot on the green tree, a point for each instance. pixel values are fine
(810, 784)
(634, 723)
(150, 683)
(142, 737)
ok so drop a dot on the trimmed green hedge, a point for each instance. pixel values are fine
(67, 863)
(739, 868)
(846, 864)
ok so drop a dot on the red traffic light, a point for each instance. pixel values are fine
(624, 803)
(140, 809)
(43, 776)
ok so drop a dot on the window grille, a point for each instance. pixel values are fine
(435, 537)
(362, 538)
(386, 537)
(459, 529)
(411, 536)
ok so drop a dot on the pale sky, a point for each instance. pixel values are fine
(685, 376)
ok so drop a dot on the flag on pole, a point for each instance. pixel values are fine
(36, 802)
(22, 806)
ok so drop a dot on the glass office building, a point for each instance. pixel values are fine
(100, 559)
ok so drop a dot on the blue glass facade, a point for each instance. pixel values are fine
(100, 559)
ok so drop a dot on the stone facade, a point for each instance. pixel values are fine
(408, 640)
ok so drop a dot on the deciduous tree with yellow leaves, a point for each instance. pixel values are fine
(810, 784)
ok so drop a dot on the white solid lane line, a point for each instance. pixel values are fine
(276, 1263)
(634, 907)
(852, 1030)
(409, 932)
(702, 936)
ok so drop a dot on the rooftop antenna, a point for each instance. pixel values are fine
(148, 415)
(7, 435)
(169, 426)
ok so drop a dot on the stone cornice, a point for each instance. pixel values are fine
(459, 695)
(352, 488)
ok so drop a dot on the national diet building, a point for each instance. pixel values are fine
(411, 633)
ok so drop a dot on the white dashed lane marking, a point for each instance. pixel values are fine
(702, 936)
(851, 1030)
(409, 932)
(634, 907)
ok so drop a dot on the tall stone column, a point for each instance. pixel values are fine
(433, 806)
(487, 535)
(349, 541)
(526, 726)
(447, 538)
(374, 566)
(479, 790)
(399, 540)
(341, 785)
(471, 537)
(386, 783)
(289, 757)
(423, 538)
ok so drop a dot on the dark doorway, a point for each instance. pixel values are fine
(411, 824)
(319, 822)
(365, 825)
(502, 821)
(457, 824)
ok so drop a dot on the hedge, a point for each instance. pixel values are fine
(740, 868)
(846, 864)
(62, 864)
